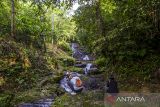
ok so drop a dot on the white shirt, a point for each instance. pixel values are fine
(73, 81)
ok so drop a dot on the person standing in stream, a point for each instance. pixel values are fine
(112, 91)
(112, 86)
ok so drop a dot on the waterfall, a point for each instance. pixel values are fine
(41, 103)
(87, 68)
(73, 47)
(86, 58)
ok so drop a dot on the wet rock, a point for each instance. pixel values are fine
(78, 62)
(80, 65)
(90, 83)
(93, 71)
(78, 55)
(90, 69)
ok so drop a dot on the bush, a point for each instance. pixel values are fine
(67, 61)
(74, 69)
(101, 62)
(4, 100)
(65, 46)
(137, 70)
(23, 68)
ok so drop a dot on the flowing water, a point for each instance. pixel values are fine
(40, 103)
(86, 58)
(87, 68)
(78, 55)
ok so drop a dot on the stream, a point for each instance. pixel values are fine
(84, 61)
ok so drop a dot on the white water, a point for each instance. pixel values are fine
(87, 68)
(73, 49)
(86, 58)
(76, 51)
(63, 83)
(74, 46)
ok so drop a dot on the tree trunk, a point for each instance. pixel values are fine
(12, 18)
(52, 28)
(100, 19)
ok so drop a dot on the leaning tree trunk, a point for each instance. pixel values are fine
(12, 18)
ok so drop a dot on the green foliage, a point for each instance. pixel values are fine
(23, 69)
(35, 25)
(25, 60)
(121, 31)
(33, 94)
(74, 69)
(4, 16)
(65, 46)
(101, 62)
(123, 35)
(86, 99)
(4, 99)
(14, 64)
(64, 28)
(142, 70)
(67, 61)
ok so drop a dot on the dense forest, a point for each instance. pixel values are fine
(123, 34)
(35, 36)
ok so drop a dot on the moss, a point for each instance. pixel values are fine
(101, 62)
(37, 93)
(85, 99)
(27, 96)
(23, 70)
(65, 46)
(74, 69)
(67, 61)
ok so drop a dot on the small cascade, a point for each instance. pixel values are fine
(77, 54)
(87, 68)
(86, 58)
(73, 47)
(41, 103)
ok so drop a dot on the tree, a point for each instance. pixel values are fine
(120, 31)
(13, 18)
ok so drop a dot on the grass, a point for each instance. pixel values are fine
(85, 99)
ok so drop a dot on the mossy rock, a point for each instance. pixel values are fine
(74, 69)
(69, 61)
(53, 79)
(27, 96)
(65, 46)
(38, 93)
(57, 78)
(85, 99)
(95, 72)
